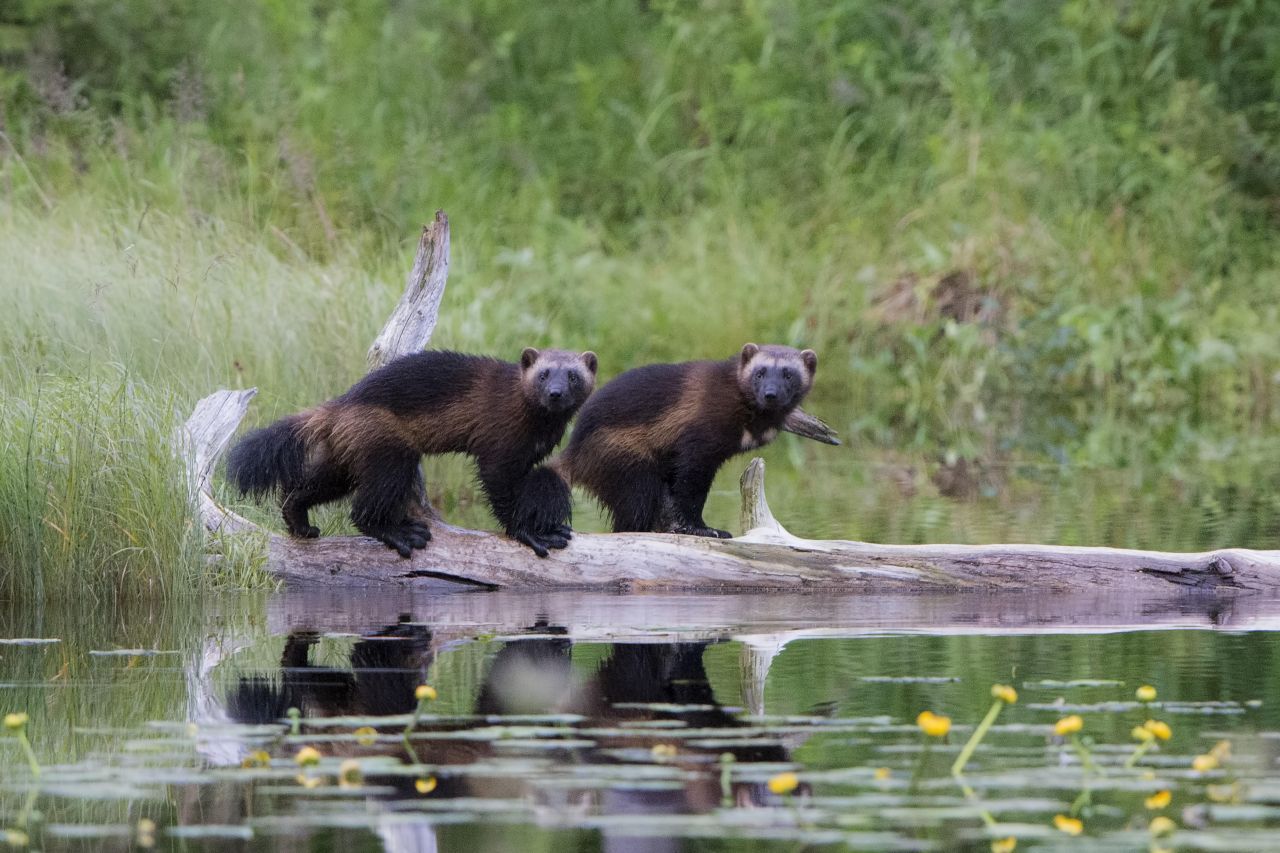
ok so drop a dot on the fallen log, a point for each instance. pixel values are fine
(767, 557)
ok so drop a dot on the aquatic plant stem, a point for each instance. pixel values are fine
(1086, 757)
(978, 734)
(409, 729)
(30, 753)
(727, 761)
(919, 771)
(1140, 751)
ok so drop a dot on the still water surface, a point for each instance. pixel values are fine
(638, 723)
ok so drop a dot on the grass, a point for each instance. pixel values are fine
(1016, 236)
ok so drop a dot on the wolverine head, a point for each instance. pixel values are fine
(557, 380)
(775, 378)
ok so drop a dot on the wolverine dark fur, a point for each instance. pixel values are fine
(649, 443)
(369, 441)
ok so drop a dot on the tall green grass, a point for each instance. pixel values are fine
(1014, 232)
(94, 501)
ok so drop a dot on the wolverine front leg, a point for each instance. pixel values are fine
(687, 494)
(535, 509)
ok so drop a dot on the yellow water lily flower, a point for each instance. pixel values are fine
(1146, 693)
(15, 838)
(425, 785)
(349, 774)
(1004, 845)
(882, 773)
(1158, 728)
(366, 735)
(1158, 800)
(308, 756)
(1004, 693)
(1068, 725)
(16, 720)
(1204, 763)
(784, 783)
(934, 725)
(257, 758)
(1161, 825)
(425, 693)
(1221, 750)
(1069, 825)
(306, 780)
(146, 833)
(663, 750)
(1142, 733)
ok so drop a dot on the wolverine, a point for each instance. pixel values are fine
(368, 443)
(648, 444)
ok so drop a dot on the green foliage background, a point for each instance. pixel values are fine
(1018, 234)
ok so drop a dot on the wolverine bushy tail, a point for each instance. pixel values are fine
(268, 459)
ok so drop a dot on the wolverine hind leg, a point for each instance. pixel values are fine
(320, 485)
(385, 484)
(633, 497)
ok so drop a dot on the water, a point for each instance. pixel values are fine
(595, 722)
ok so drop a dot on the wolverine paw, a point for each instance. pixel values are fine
(308, 532)
(532, 541)
(554, 540)
(708, 532)
(404, 539)
(416, 532)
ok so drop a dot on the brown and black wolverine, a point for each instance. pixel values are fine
(648, 444)
(369, 443)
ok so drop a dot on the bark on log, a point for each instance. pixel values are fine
(767, 557)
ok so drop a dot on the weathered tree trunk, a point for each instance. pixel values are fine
(766, 557)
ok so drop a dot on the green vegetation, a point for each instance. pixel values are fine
(1015, 233)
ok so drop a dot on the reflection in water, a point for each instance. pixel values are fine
(385, 668)
(635, 695)
(551, 705)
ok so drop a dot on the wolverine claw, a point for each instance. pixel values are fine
(305, 531)
(419, 534)
(562, 530)
(536, 545)
(552, 540)
(395, 543)
(708, 532)
(395, 540)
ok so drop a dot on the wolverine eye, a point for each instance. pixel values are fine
(544, 374)
(760, 372)
(786, 373)
(574, 379)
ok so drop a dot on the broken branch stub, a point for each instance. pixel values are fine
(410, 325)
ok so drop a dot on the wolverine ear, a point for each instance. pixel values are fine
(810, 359)
(749, 352)
(528, 357)
(590, 360)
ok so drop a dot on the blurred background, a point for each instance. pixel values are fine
(1034, 245)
